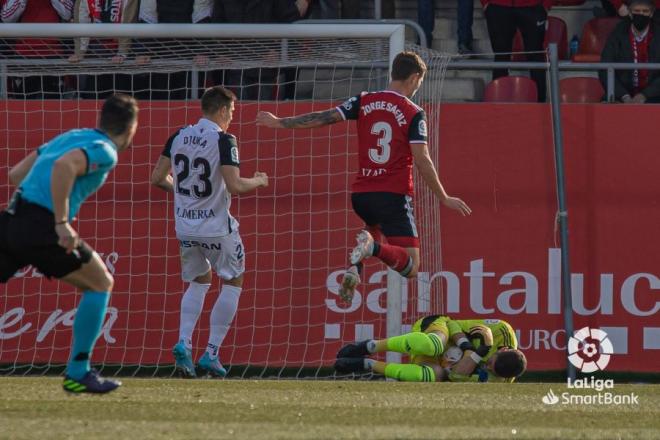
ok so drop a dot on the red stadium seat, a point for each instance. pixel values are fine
(594, 36)
(511, 89)
(555, 32)
(581, 90)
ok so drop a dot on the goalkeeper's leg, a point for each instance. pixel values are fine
(415, 344)
(402, 372)
(406, 372)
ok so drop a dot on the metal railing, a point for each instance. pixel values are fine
(611, 68)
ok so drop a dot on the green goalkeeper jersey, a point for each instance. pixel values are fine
(503, 333)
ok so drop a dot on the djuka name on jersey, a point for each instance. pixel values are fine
(194, 140)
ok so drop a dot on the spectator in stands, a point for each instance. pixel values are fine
(259, 83)
(635, 40)
(504, 18)
(168, 85)
(115, 12)
(606, 9)
(623, 7)
(465, 11)
(617, 8)
(325, 9)
(93, 11)
(36, 11)
(351, 9)
(176, 11)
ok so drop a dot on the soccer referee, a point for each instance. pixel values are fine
(35, 228)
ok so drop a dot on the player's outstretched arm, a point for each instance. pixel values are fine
(65, 171)
(239, 185)
(160, 176)
(427, 170)
(307, 120)
(21, 169)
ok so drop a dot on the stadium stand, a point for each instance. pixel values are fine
(511, 89)
(569, 18)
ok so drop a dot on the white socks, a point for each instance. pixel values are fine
(221, 317)
(191, 306)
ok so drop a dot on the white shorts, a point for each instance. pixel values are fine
(224, 254)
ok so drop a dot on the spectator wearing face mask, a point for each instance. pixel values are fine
(635, 40)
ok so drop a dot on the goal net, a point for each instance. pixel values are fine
(297, 232)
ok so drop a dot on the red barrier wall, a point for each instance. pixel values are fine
(501, 262)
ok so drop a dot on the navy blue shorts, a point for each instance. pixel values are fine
(28, 237)
(389, 213)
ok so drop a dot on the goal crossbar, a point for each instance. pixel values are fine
(395, 33)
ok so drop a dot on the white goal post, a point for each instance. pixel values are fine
(323, 49)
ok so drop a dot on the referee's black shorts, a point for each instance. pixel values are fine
(390, 214)
(28, 237)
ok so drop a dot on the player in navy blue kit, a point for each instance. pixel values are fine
(52, 182)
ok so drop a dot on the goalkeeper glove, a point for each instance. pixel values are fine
(482, 350)
(466, 345)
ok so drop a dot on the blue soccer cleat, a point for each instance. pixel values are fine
(90, 383)
(211, 366)
(183, 360)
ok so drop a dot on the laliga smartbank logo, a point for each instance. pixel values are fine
(590, 350)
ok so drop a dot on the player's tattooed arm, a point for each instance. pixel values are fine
(308, 120)
(311, 120)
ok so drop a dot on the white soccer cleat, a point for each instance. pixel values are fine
(349, 282)
(364, 247)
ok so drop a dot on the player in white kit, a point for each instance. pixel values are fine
(204, 164)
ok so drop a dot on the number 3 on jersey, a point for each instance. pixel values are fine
(384, 132)
(203, 169)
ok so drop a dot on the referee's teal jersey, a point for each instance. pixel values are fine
(101, 155)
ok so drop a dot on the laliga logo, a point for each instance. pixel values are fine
(589, 350)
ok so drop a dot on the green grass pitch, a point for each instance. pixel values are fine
(37, 408)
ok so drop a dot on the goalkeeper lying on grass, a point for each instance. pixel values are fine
(480, 350)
